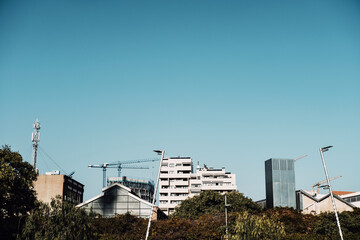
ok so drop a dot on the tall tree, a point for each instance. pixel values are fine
(17, 196)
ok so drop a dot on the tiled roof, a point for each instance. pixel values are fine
(339, 193)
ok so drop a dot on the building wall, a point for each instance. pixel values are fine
(280, 183)
(177, 182)
(49, 186)
(117, 200)
(353, 198)
(311, 206)
(212, 179)
(174, 182)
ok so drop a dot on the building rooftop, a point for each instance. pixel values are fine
(339, 193)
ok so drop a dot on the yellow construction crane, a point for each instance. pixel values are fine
(318, 184)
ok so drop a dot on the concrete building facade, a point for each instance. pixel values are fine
(280, 183)
(211, 179)
(49, 186)
(174, 182)
(178, 182)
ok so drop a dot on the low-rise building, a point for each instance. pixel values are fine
(350, 197)
(119, 199)
(52, 184)
(314, 203)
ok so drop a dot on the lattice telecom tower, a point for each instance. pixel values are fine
(35, 139)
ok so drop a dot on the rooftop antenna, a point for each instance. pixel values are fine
(35, 139)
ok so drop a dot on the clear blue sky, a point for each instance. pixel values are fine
(229, 83)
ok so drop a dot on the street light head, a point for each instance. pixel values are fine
(324, 149)
(159, 152)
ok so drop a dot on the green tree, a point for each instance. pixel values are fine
(17, 196)
(295, 221)
(211, 202)
(59, 220)
(350, 224)
(250, 226)
(120, 227)
(206, 227)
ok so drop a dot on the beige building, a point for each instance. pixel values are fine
(314, 203)
(50, 185)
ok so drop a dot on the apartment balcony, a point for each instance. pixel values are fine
(195, 181)
(219, 188)
(175, 175)
(180, 183)
(180, 190)
(177, 198)
(195, 190)
(168, 205)
(182, 168)
(164, 183)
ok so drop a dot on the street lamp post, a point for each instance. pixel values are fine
(159, 152)
(322, 150)
(226, 219)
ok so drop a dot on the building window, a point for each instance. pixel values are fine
(171, 165)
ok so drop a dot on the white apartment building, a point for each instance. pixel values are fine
(174, 182)
(211, 179)
(178, 182)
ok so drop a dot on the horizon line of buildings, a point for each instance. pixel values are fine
(178, 180)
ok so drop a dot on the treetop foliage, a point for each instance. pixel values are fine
(208, 202)
(59, 220)
(17, 196)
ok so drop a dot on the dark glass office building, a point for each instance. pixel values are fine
(280, 183)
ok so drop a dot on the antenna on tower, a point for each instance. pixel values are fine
(35, 139)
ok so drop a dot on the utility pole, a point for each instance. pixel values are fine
(35, 139)
(159, 152)
(226, 219)
(322, 150)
